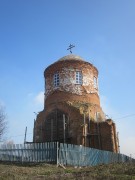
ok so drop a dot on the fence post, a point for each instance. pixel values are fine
(57, 160)
(22, 156)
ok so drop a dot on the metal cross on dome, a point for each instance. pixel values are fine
(70, 47)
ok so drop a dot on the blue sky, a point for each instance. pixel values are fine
(36, 33)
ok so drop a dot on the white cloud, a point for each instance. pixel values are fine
(39, 99)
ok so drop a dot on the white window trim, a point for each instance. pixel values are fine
(78, 77)
(97, 116)
(95, 82)
(56, 79)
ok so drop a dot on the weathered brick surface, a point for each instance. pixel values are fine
(108, 136)
(76, 105)
(92, 101)
(67, 70)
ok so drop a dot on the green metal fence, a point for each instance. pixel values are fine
(34, 152)
(65, 154)
(83, 156)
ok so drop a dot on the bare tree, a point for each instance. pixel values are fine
(3, 123)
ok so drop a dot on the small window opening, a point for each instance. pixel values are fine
(97, 116)
(78, 77)
(56, 80)
(95, 82)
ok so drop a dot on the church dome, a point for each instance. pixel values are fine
(71, 57)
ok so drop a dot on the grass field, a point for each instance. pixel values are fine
(119, 171)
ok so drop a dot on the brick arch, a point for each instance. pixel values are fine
(73, 119)
(56, 126)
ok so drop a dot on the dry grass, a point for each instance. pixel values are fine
(125, 171)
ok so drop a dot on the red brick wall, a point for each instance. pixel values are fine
(108, 136)
(100, 135)
(68, 90)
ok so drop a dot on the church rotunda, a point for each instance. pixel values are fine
(72, 112)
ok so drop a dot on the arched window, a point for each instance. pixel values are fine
(56, 126)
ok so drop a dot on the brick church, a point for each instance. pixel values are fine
(72, 112)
